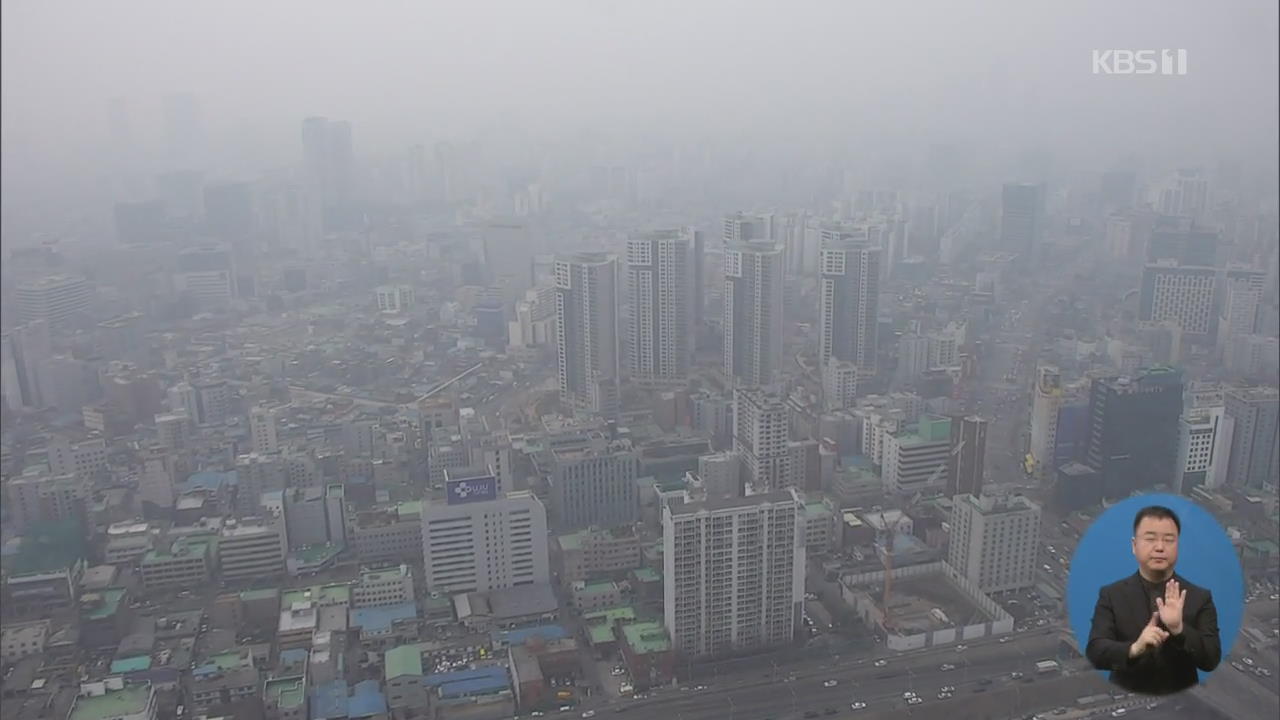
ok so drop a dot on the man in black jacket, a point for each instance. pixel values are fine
(1153, 629)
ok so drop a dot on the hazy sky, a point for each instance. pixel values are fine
(1013, 70)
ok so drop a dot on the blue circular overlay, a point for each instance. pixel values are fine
(1205, 557)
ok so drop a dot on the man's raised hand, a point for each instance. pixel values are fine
(1170, 606)
(1152, 636)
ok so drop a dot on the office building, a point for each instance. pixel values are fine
(995, 541)
(315, 516)
(753, 303)
(383, 587)
(1046, 400)
(25, 354)
(252, 547)
(1133, 430)
(839, 385)
(55, 299)
(394, 298)
(1204, 448)
(206, 402)
(330, 166)
(848, 295)
(480, 541)
(1254, 461)
(966, 471)
(733, 573)
(1021, 219)
(660, 284)
(208, 275)
(596, 552)
(915, 459)
(586, 329)
(264, 430)
(389, 534)
(1182, 294)
(745, 227)
(1183, 193)
(594, 483)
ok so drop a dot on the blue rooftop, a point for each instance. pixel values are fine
(296, 656)
(376, 619)
(366, 700)
(209, 480)
(519, 636)
(463, 683)
(329, 701)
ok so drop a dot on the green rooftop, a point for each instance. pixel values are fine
(181, 547)
(383, 573)
(816, 509)
(135, 663)
(601, 633)
(285, 693)
(132, 700)
(263, 594)
(647, 575)
(110, 604)
(403, 660)
(409, 507)
(50, 548)
(647, 637)
(609, 615)
(316, 554)
(572, 541)
(335, 594)
(231, 660)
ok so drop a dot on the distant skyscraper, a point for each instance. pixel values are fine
(848, 297)
(141, 222)
(55, 299)
(208, 274)
(746, 227)
(1021, 217)
(1184, 295)
(228, 210)
(330, 165)
(1204, 448)
(184, 130)
(660, 268)
(1185, 193)
(966, 469)
(733, 573)
(586, 327)
(1254, 462)
(25, 353)
(753, 302)
(1133, 434)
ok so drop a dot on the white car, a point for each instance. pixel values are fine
(961, 648)
(589, 714)
(1005, 639)
(947, 667)
(914, 701)
(948, 688)
(858, 705)
(830, 683)
(908, 695)
(1247, 661)
(881, 663)
(1119, 712)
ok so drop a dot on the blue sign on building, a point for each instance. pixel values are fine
(472, 489)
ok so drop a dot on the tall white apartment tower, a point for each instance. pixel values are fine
(848, 300)
(586, 327)
(733, 572)
(660, 284)
(753, 301)
(1045, 404)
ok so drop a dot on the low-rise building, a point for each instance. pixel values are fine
(385, 627)
(23, 639)
(598, 551)
(186, 564)
(251, 548)
(403, 675)
(597, 595)
(382, 587)
(390, 534)
(646, 651)
(115, 699)
(285, 698)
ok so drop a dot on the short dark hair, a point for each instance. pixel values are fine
(1159, 512)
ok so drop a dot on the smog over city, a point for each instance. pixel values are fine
(703, 360)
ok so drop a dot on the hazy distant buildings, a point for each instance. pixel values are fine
(1046, 400)
(25, 353)
(660, 275)
(1204, 448)
(394, 298)
(1182, 294)
(1184, 193)
(55, 299)
(587, 329)
(229, 211)
(208, 275)
(143, 223)
(770, 460)
(1021, 219)
(330, 166)
(753, 302)
(1133, 430)
(966, 470)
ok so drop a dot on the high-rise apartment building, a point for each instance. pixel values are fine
(770, 460)
(733, 572)
(586, 328)
(330, 165)
(848, 297)
(660, 285)
(1182, 294)
(753, 303)
(1047, 398)
(1204, 448)
(480, 540)
(1021, 219)
(995, 541)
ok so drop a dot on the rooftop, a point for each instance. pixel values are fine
(480, 681)
(520, 636)
(333, 594)
(285, 693)
(131, 664)
(384, 574)
(716, 504)
(646, 637)
(647, 574)
(112, 704)
(402, 660)
(111, 598)
(381, 618)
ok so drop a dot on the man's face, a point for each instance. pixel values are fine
(1155, 545)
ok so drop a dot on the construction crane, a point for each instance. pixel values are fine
(891, 532)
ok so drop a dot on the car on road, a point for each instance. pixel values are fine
(944, 695)
(961, 648)
(1238, 666)
(830, 683)
(881, 663)
(857, 705)
(914, 701)
(1118, 712)
(1247, 660)
(908, 695)
(1005, 639)
(1015, 675)
(947, 688)
(946, 667)
(589, 714)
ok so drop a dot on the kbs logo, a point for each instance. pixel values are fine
(1140, 62)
